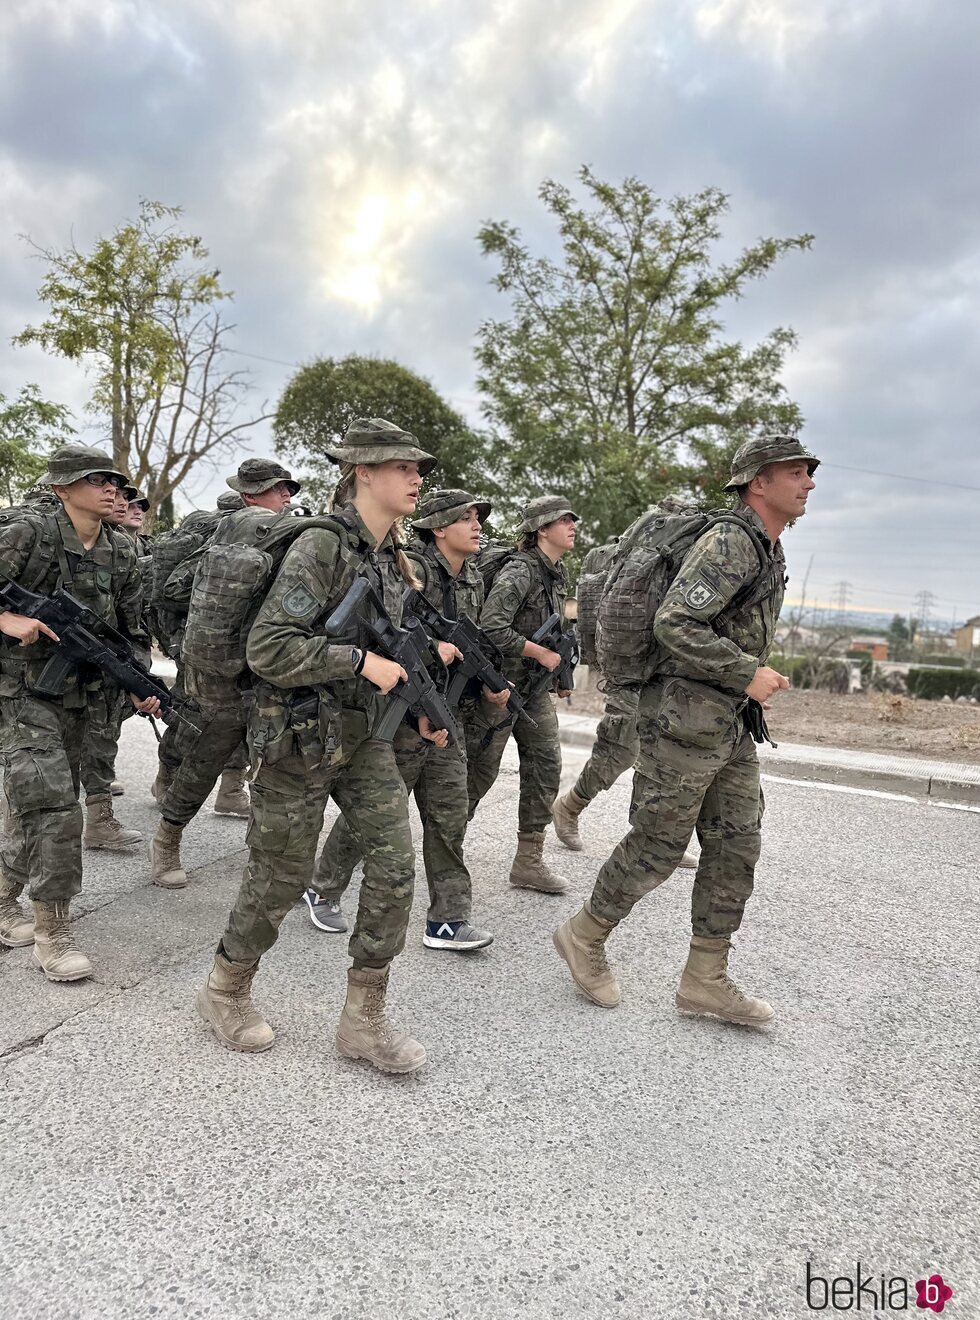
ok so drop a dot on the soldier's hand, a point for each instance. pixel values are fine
(496, 698)
(384, 674)
(550, 659)
(564, 692)
(438, 736)
(448, 653)
(148, 706)
(24, 630)
(766, 682)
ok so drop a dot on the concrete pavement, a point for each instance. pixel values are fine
(553, 1159)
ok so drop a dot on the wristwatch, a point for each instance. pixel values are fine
(357, 659)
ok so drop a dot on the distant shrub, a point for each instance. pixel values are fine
(934, 684)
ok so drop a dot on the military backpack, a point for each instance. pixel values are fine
(169, 551)
(648, 558)
(233, 576)
(588, 594)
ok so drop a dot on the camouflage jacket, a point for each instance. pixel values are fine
(41, 550)
(701, 645)
(527, 590)
(286, 644)
(452, 594)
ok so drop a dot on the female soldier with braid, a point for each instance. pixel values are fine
(303, 759)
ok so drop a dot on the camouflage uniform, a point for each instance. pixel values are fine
(41, 737)
(527, 590)
(616, 742)
(436, 775)
(697, 765)
(291, 657)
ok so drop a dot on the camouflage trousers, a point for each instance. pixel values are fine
(287, 816)
(223, 727)
(179, 738)
(616, 743)
(540, 756)
(105, 713)
(680, 786)
(41, 820)
(437, 776)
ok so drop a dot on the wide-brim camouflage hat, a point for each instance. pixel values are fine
(71, 463)
(441, 508)
(257, 475)
(545, 509)
(136, 496)
(755, 454)
(229, 500)
(374, 440)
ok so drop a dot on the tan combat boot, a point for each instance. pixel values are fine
(224, 1001)
(16, 927)
(706, 986)
(529, 870)
(232, 800)
(565, 812)
(165, 865)
(364, 1031)
(165, 777)
(54, 951)
(582, 943)
(102, 830)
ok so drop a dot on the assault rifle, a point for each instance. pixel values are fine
(754, 719)
(481, 658)
(563, 640)
(84, 638)
(409, 647)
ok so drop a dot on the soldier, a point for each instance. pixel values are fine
(266, 489)
(448, 527)
(302, 760)
(41, 736)
(616, 744)
(530, 587)
(232, 800)
(697, 763)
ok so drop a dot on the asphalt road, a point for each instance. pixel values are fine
(553, 1159)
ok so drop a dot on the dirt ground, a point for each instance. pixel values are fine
(868, 722)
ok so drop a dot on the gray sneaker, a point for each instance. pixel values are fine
(325, 915)
(459, 935)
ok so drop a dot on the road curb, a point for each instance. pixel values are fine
(939, 781)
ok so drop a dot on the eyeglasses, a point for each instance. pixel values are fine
(105, 479)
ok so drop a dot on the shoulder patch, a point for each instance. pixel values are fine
(299, 602)
(700, 593)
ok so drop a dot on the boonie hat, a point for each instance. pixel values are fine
(443, 507)
(71, 463)
(753, 456)
(257, 475)
(135, 496)
(374, 440)
(230, 500)
(545, 509)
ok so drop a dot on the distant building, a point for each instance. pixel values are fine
(876, 647)
(966, 637)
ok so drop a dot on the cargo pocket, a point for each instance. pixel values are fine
(694, 715)
(270, 733)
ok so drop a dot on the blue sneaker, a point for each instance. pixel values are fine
(459, 935)
(325, 915)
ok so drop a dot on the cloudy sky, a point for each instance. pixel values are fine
(339, 157)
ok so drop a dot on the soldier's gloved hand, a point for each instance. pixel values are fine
(384, 674)
(496, 698)
(148, 706)
(438, 736)
(24, 630)
(766, 682)
(448, 653)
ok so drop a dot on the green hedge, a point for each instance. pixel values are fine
(934, 684)
(947, 661)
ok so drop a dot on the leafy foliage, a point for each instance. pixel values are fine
(29, 426)
(611, 382)
(326, 395)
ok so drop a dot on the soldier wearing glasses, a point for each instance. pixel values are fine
(44, 548)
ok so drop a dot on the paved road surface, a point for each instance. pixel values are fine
(554, 1159)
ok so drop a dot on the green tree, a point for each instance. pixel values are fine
(326, 395)
(28, 425)
(139, 311)
(611, 382)
(901, 637)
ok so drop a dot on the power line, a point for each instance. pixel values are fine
(901, 476)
